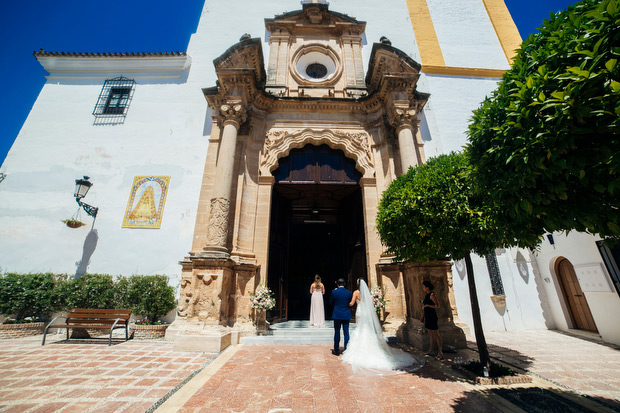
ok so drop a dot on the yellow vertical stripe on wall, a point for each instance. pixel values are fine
(504, 26)
(425, 36)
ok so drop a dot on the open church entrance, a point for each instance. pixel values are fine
(317, 227)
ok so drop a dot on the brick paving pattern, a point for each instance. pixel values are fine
(581, 365)
(310, 379)
(90, 377)
(133, 376)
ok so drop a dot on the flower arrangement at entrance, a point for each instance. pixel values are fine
(378, 299)
(263, 298)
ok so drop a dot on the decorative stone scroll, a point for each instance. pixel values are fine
(279, 143)
(234, 112)
(403, 116)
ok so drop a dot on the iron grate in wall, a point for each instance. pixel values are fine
(114, 99)
(496, 279)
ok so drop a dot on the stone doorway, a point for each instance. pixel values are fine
(316, 228)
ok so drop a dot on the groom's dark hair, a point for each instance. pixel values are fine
(340, 281)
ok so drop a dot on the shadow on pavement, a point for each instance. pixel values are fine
(507, 356)
(538, 400)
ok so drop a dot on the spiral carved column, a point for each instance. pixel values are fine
(217, 234)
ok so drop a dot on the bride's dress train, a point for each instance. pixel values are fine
(368, 351)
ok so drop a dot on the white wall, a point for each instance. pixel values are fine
(525, 308)
(466, 34)
(580, 249)
(162, 135)
(452, 101)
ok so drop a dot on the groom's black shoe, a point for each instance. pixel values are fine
(335, 352)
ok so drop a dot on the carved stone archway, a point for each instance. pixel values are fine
(354, 144)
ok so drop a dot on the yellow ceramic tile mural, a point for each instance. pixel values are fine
(146, 202)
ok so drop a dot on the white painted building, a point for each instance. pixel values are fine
(160, 125)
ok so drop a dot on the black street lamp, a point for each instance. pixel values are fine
(81, 189)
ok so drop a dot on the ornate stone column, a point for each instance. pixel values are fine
(403, 119)
(233, 114)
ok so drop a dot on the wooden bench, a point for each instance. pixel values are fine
(94, 319)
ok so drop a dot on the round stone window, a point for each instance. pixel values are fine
(315, 65)
(316, 71)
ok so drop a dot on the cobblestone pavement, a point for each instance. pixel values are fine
(577, 363)
(75, 376)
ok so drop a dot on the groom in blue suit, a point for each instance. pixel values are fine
(340, 299)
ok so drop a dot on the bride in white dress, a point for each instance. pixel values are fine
(317, 311)
(368, 351)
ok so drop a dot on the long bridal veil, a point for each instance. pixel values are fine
(368, 351)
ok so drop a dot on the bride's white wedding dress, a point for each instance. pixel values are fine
(368, 350)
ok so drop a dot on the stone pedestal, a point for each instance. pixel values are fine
(402, 283)
(197, 336)
(214, 305)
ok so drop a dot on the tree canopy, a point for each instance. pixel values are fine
(546, 145)
(433, 212)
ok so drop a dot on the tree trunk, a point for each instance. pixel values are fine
(475, 312)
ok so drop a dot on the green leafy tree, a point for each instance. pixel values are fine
(546, 145)
(150, 296)
(433, 212)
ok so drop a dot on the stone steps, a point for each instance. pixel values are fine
(297, 332)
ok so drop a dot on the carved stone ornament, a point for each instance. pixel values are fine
(355, 145)
(233, 113)
(218, 222)
(187, 299)
(197, 299)
(402, 116)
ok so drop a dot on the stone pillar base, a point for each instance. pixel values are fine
(198, 336)
(214, 252)
(414, 333)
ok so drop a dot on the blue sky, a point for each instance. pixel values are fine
(121, 26)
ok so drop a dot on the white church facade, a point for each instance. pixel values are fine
(259, 156)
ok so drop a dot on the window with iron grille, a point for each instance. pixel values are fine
(496, 279)
(115, 97)
(611, 257)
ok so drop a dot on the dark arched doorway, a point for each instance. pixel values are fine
(316, 228)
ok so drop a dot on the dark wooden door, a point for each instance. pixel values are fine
(278, 254)
(316, 227)
(574, 297)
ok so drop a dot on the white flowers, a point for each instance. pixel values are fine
(378, 298)
(263, 299)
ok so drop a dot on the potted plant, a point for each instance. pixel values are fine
(73, 223)
(151, 297)
(262, 300)
(378, 300)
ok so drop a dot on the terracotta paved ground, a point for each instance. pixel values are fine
(79, 377)
(310, 379)
(137, 376)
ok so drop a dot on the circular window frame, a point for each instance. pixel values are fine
(315, 53)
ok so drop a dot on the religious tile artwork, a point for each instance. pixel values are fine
(146, 202)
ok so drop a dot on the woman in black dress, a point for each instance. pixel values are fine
(429, 318)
